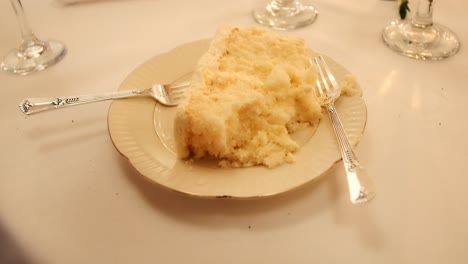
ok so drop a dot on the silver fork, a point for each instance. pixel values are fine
(166, 94)
(360, 185)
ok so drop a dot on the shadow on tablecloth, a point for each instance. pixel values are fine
(10, 251)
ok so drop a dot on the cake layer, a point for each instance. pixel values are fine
(250, 91)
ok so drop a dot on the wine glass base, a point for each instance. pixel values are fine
(33, 57)
(434, 42)
(296, 15)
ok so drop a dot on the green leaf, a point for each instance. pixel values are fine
(404, 8)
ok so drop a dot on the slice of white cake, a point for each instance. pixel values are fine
(250, 91)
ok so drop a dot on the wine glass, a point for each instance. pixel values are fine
(420, 38)
(33, 54)
(285, 14)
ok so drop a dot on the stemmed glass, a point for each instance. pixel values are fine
(33, 54)
(285, 14)
(420, 38)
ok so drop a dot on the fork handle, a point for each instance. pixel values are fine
(36, 105)
(361, 187)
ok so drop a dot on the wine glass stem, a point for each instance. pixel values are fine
(423, 16)
(26, 32)
(283, 3)
(277, 6)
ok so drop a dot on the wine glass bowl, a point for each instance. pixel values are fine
(33, 54)
(285, 14)
(420, 37)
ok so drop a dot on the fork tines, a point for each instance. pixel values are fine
(178, 90)
(180, 85)
(327, 79)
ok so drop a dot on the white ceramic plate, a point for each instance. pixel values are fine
(141, 131)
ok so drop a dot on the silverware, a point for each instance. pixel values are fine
(166, 94)
(361, 187)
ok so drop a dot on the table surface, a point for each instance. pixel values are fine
(67, 195)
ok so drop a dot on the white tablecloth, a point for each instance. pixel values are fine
(67, 196)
